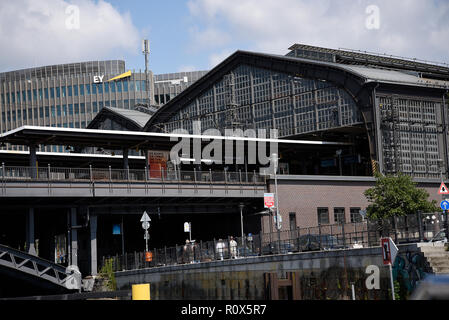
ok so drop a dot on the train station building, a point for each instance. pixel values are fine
(333, 117)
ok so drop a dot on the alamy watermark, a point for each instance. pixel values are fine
(72, 21)
(250, 145)
(372, 21)
(73, 280)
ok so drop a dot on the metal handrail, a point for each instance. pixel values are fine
(54, 174)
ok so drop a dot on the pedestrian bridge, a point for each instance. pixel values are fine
(34, 269)
(95, 182)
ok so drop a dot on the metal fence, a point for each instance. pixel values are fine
(127, 175)
(324, 237)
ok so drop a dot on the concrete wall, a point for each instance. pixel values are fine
(323, 275)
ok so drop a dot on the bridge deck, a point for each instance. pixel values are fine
(89, 182)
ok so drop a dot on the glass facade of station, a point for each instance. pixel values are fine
(254, 98)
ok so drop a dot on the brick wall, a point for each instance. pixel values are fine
(304, 195)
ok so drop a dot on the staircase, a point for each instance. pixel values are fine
(437, 256)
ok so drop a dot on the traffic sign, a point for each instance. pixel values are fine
(444, 205)
(145, 225)
(186, 227)
(443, 189)
(145, 217)
(268, 199)
(146, 236)
(389, 251)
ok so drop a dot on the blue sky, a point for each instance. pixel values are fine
(190, 35)
(166, 25)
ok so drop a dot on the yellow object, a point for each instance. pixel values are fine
(123, 75)
(141, 291)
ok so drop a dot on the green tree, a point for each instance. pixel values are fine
(396, 196)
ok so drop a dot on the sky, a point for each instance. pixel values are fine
(188, 35)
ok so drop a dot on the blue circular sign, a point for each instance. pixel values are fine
(444, 205)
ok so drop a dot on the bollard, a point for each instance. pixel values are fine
(141, 291)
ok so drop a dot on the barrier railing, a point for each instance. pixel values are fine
(319, 238)
(127, 175)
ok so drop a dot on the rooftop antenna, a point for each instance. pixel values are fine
(146, 52)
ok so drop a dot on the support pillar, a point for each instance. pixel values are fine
(125, 158)
(33, 161)
(93, 244)
(74, 238)
(30, 241)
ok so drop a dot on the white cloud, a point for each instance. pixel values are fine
(35, 33)
(411, 28)
(187, 68)
(216, 58)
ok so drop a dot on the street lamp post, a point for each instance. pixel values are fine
(241, 206)
(274, 161)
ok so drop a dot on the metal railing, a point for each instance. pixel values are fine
(320, 238)
(91, 174)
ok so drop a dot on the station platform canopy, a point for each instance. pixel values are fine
(118, 140)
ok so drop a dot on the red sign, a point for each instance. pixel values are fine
(268, 200)
(443, 189)
(157, 163)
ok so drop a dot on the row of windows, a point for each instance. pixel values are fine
(64, 110)
(339, 215)
(69, 91)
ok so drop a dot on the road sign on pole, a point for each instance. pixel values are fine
(389, 253)
(268, 199)
(444, 205)
(146, 225)
(145, 217)
(443, 189)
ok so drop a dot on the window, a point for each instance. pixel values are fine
(323, 216)
(69, 91)
(63, 91)
(75, 90)
(106, 87)
(58, 92)
(339, 215)
(46, 93)
(355, 215)
(52, 93)
(81, 90)
(94, 88)
(125, 85)
(87, 89)
(292, 220)
(119, 87)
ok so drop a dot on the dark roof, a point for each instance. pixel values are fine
(133, 120)
(352, 78)
(117, 140)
